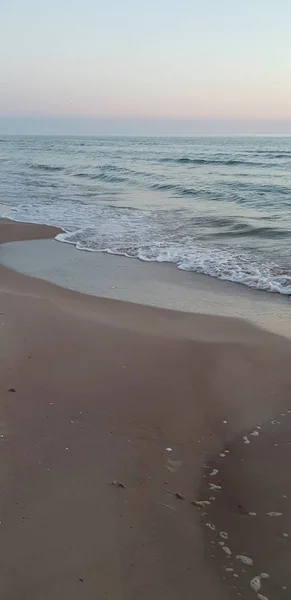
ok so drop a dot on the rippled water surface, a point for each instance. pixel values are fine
(214, 205)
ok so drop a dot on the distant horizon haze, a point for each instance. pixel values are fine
(139, 127)
(135, 67)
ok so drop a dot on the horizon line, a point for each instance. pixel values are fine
(152, 135)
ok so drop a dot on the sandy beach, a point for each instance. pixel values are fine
(145, 452)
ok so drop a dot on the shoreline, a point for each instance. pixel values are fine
(232, 284)
(153, 284)
(102, 388)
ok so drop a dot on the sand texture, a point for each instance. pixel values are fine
(115, 421)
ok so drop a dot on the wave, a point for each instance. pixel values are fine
(258, 188)
(163, 236)
(122, 171)
(179, 189)
(235, 214)
(282, 155)
(206, 161)
(243, 230)
(48, 168)
(103, 177)
(272, 153)
(215, 262)
(175, 236)
(110, 178)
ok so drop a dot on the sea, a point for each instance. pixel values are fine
(214, 205)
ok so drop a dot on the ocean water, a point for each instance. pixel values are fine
(214, 205)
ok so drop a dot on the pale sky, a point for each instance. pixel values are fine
(70, 62)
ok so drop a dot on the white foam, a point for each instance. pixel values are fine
(274, 514)
(153, 236)
(214, 487)
(246, 439)
(213, 473)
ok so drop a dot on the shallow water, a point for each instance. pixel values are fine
(214, 205)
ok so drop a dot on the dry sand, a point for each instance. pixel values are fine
(95, 391)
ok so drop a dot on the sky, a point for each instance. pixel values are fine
(162, 66)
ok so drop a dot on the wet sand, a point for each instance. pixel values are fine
(96, 391)
(248, 520)
(150, 283)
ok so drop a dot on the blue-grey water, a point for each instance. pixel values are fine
(214, 205)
